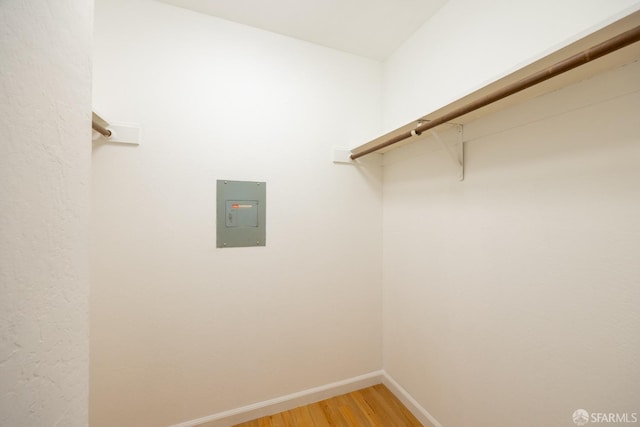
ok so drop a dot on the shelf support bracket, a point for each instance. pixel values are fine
(456, 153)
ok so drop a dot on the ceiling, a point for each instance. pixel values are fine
(370, 28)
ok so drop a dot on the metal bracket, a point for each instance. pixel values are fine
(456, 153)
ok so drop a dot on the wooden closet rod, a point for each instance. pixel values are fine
(588, 55)
(100, 129)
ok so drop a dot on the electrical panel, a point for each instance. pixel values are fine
(241, 213)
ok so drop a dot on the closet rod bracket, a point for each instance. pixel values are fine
(455, 153)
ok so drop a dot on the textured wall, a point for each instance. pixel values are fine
(180, 329)
(45, 92)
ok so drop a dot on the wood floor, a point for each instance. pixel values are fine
(370, 407)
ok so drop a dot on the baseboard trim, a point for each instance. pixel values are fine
(288, 402)
(412, 405)
(312, 395)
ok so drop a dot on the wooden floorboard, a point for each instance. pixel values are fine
(370, 407)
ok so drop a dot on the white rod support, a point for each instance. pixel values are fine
(456, 155)
(120, 133)
(342, 155)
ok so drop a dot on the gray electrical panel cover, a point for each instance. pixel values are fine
(241, 213)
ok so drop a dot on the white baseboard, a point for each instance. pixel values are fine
(412, 405)
(285, 403)
(312, 395)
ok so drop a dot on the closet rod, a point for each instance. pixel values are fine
(588, 55)
(100, 129)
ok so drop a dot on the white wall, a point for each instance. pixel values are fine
(511, 298)
(180, 329)
(45, 93)
(468, 44)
